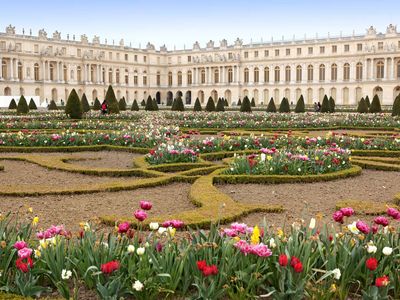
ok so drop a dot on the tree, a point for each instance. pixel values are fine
(85, 103)
(13, 104)
(239, 102)
(226, 102)
(143, 103)
(362, 106)
(178, 104)
(375, 105)
(74, 108)
(122, 104)
(22, 107)
(300, 106)
(135, 106)
(210, 104)
(396, 106)
(155, 105)
(325, 105)
(149, 104)
(111, 100)
(367, 101)
(284, 107)
(331, 105)
(220, 105)
(246, 105)
(97, 104)
(271, 105)
(169, 101)
(53, 105)
(197, 105)
(253, 102)
(32, 104)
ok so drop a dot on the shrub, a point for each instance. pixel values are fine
(367, 101)
(149, 104)
(12, 105)
(396, 106)
(253, 102)
(362, 106)
(53, 105)
(32, 104)
(197, 105)
(122, 104)
(226, 102)
(170, 101)
(375, 105)
(325, 105)
(135, 106)
(331, 105)
(271, 105)
(155, 104)
(246, 105)
(300, 107)
(178, 104)
(97, 104)
(111, 101)
(239, 102)
(143, 103)
(73, 108)
(210, 104)
(22, 107)
(284, 107)
(220, 105)
(85, 103)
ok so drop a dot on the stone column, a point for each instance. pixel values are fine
(261, 76)
(16, 70)
(352, 72)
(11, 69)
(251, 75)
(1, 67)
(223, 80)
(371, 66)
(43, 70)
(48, 70)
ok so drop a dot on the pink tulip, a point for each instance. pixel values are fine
(363, 227)
(124, 227)
(20, 245)
(381, 221)
(146, 205)
(347, 211)
(394, 213)
(338, 216)
(140, 215)
(173, 223)
(24, 253)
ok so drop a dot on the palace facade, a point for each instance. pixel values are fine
(346, 68)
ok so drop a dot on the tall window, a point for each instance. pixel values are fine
(277, 74)
(380, 69)
(170, 79)
(126, 76)
(158, 78)
(117, 76)
(203, 76)
(110, 75)
(346, 72)
(79, 74)
(299, 71)
(65, 75)
(310, 73)
(189, 77)
(266, 74)
(246, 75)
(398, 69)
(4, 69)
(51, 72)
(179, 78)
(287, 73)
(359, 71)
(216, 75)
(20, 71)
(144, 78)
(322, 73)
(334, 72)
(91, 73)
(35, 72)
(256, 75)
(230, 75)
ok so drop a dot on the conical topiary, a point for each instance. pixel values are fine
(74, 108)
(155, 104)
(325, 105)
(135, 106)
(97, 104)
(149, 104)
(32, 104)
(253, 102)
(210, 104)
(170, 101)
(367, 101)
(271, 106)
(13, 104)
(22, 107)
(362, 106)
(85, 103)
(178, 104)
(396, 106)
(122, 104)
(331, 105)
(375, 105)
(284, 107)
(300, 106)
(239, 102)
(246, 105)
(111, 100)
(197, 105)
(226, 102)
(53, 105)
(220, 105)
(143, 103)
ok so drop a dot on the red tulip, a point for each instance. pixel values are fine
(283, 260)
(371, 263)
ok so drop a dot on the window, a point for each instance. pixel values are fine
(117, 76)
(179, 78)
(126, 57)
(346, 72)
(51, 72)
(110, 75)
(255, 54)
(334, 72)
(277, 52)
(322, 73)
(334, 49)
(179, 60)
(380, 46)
(277, 74)
(266, 74)
(3, 46)
(287, 74)
(298, 51)
(346, 48)
(65, 77)
(158, 78)
(145, 58)
(216, 75)
(189, 59)
(79, 74)
(310, 50)
(110, 55)
(246, 75)
(398, 69)
(126, 77)
(135, 78)
(135, 58)
(170, 79)
(287, 52)
(299, 71)
(380, 68)
(117, 56)
(230, 75)
(20, 71)
(189, 77)
(359, 47)
(359, 71)
(230, 56)
(36, 72)
(35, 48)
(322, 50)
(145, 80)
(78, 52)
(203, 76)
(310, 73)
(266, 52)
(246, 54)
(256, 75)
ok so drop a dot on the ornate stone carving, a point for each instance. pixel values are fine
(196, 46)
(42, 34)
(391, 29)
(58, 52)
(122, 43)
(163, 48)
(96, 40)
(57, 35)
(150, 46)
(45, 51)
(371, 31)
(210, 44)
(238, 42)
(84, 39)
(10, 29)
(223, 43)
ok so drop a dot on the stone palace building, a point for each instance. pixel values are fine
(346, 68)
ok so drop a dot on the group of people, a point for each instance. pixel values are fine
(317, 106)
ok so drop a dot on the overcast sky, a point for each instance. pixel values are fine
(179, 23)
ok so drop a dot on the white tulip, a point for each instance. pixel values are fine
(140, 251)
(131, 249)
(138, 286)
(336, 273)
(387, 251)
(154, 225)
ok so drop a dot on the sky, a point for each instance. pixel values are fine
(179, 23)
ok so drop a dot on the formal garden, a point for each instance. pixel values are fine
(212, 202)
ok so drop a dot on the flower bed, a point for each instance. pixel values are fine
(167, 153)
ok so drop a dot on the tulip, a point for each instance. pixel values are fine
(145, 205)
(140, 215)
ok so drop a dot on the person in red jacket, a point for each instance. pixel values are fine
(104, 107)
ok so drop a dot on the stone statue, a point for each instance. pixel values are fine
(391, 29)
(163, 48)
(28, 72)
(57, 35)
(238, 42)
(42, 34)
(210, 44)
(10, 29)
(96, 40)
(196, 46)
(223, 43)
(122, 43)
(371, 30)
(84, 39)
(150, 46)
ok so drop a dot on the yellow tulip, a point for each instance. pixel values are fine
(255, 237)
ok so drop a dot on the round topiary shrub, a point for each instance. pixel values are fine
(32, 105)
(52, 105)
(13, 104)
(362, 106)
(325, 105)
(300, 106)
(197, 105)
(375, 105)
(22, 107)
(111, 100)
(220, 105)
(73, 108)
(85, 103)
(396, 106)
(284, 107)
(271, 106)
(97, 104)
(210, 104)
(246, 105)
(135, 106)
(331, 105)
(122, 104)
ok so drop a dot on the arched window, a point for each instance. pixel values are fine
(359, 71)
(144, 78)
(299, 73)
(277, 72)
(36, 72)
(91, 74)
(380, 70)
(189, 77)
(170, 79)
(20, 71)
(334, 72)
(346, 72)
(310, 73)
(179, 78)
(216, 75)
(203, 76)
(110, 75)
(256, 75)
(266, 74)
(51, 72)
(79, 74)
(287, 74)
(117, 76)
(246, 75)
(322, 73)
(230, 75)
